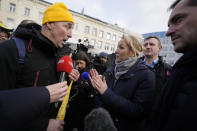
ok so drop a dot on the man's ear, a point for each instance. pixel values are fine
(49, 25)
(160, 47)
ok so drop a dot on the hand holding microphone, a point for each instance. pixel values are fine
(87, 84)
(57, 91)
(86, 81)
(65, 65)
(74, 75)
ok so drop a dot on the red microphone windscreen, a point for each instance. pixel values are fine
(65, 64)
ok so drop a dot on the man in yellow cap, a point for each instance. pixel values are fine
(4, 32)
(29, 60)
(57, 24)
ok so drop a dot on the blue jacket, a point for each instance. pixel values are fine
(129, 99)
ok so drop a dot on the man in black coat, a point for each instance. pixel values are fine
(151, 58)
(176, 108)
(38, 67)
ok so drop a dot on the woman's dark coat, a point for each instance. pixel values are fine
(129, 99)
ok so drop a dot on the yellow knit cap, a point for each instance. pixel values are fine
(3, 27)
(57, 12)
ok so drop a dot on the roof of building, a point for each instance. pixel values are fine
(161, 34)
(96, 19)
(46, 2)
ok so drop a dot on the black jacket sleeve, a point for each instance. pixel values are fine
(8, 64)
(20, 106)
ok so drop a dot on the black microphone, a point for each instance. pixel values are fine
(99, 120)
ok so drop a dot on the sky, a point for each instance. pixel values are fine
(140, 16)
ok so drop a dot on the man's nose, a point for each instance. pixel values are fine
(170, 31)
(147, 46)
(69, 35)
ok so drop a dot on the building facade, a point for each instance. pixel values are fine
(14, 11)
(167, 52)
(98, 35)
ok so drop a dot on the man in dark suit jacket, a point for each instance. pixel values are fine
(176, 107)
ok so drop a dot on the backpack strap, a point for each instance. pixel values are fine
(21, 49)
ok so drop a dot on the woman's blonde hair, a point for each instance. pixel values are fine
(134, 44)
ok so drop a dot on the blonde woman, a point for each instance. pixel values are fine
(126, 91)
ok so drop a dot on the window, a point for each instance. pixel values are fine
(93, 42)
(119, 38)
(165, 48)
(170, 48)
(108, 36)
(76, 26)
(87, 29)
(162, 41)
(0, 3)
(101, 34)
(27, 11)
(10, 23)
(107, 46)
(40, 15)
(85, 39)
(12, 7)
(112, 48)
(114, 38)
(94, 32)
(99, 44)
(172, 55)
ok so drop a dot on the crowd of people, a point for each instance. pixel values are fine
(137, 91)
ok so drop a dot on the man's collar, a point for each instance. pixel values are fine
(152, 64)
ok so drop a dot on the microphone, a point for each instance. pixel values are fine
(85, 76)
(64, 65)
(99, 119)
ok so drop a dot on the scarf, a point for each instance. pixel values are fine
(123, 66)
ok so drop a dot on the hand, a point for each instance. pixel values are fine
(74, 75)
(55, 125)
(57, 91)
(98, 81)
